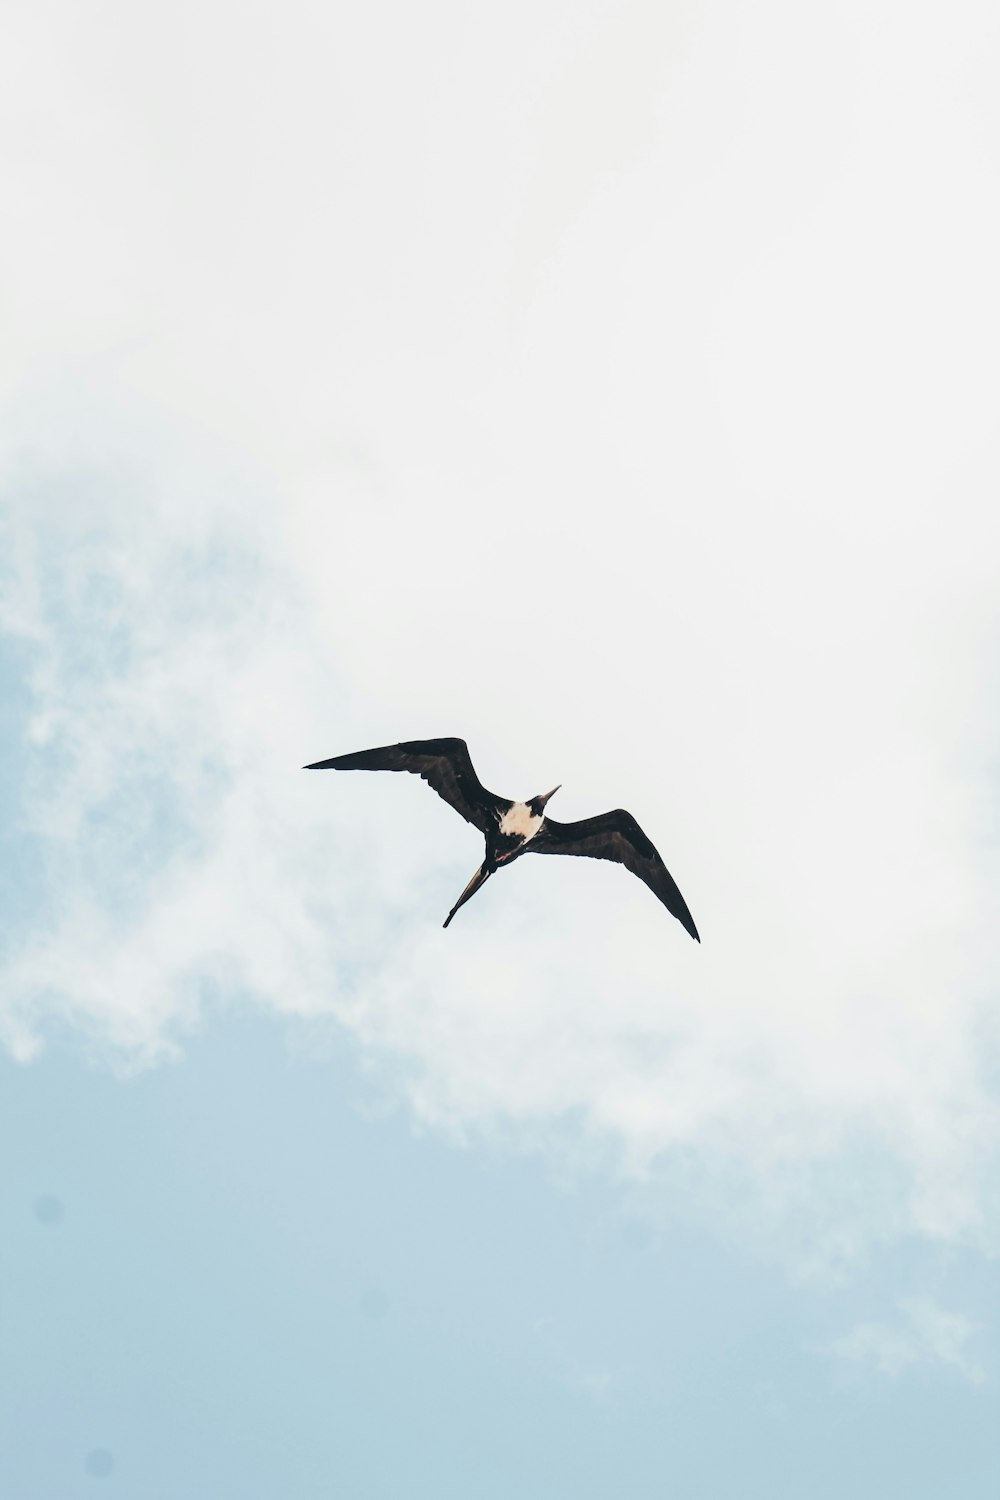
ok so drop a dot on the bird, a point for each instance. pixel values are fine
(515, 828)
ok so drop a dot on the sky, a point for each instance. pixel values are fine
(613, 386)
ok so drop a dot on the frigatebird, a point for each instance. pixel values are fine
(516, 828)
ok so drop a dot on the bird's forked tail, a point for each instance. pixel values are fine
(480, 878)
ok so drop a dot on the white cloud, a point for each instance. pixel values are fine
(923, 1335)
(400, 380)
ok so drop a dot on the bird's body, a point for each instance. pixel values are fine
(520, 822)
(515, 828)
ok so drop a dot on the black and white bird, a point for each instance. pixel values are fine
(516, 828)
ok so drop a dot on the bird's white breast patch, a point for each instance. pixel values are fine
(520, 821)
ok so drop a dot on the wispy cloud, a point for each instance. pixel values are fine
(342, 460)
(923, 1335)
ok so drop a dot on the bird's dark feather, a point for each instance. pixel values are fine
(444, 764)
(616, 836)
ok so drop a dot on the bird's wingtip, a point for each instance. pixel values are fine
(687, 922)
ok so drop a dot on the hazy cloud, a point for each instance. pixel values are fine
(674, 487)
(924, 1334)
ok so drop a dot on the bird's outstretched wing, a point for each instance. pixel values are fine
(616, 835)
(446, 765)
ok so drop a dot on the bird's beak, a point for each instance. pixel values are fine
(545, 799)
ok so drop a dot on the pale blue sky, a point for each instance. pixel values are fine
(244, 1272)
(258, 1287)
(615, 387)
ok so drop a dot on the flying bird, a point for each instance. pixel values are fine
(516, 828)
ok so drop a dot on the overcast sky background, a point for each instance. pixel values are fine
(614, 386)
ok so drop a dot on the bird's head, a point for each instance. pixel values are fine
(537, 804)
